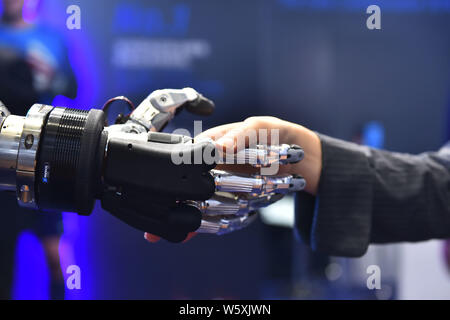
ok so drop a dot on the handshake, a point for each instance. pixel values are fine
(212, 183)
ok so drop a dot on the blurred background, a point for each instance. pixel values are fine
(313, 62)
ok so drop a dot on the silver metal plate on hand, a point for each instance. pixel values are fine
(221, 225)
(256, 184)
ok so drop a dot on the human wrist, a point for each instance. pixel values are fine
(311, 166)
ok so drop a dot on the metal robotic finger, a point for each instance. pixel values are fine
(223, 203)
(257, 184)
(266, 155)
(225, 224)
(155, 112)
(162, 105)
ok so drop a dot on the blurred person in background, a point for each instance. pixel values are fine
(34, 68)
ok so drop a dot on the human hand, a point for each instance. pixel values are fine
(271, 131)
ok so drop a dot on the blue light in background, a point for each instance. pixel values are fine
(143, 20)
(373, 135)
(31, 279)
(31, 274)
(74, 246)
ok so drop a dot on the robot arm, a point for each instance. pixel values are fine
(65, 159)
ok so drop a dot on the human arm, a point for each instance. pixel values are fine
(357, 195)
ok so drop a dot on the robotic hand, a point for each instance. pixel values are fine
(237, 196)
(188, 195)
(64, 159)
